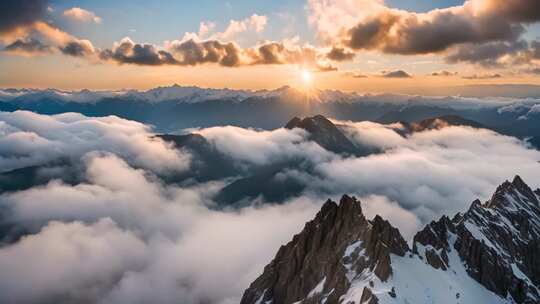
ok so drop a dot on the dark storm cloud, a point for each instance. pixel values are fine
(396, 74)
(340, 54)
(17, 13)
(28, 46)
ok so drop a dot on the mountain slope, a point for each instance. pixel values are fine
(326, 134)
(485, 255)
(441, 122)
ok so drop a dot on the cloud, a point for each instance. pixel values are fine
(444, 73)
(255, 23)
(74, 259)
(30, 139)
(128, 52)
(16, 14)
(492, 54)
(355, 75)
(371, 25)
(27, 47)
(193, 52)
(82, 15)
(340, 54)
(135, 241)
(396, 74)
(123, 235)
(484, 76)
(424, 171)
(78, 48)
(264, 147)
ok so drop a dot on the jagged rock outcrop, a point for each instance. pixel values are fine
(498, 241)
(488, 254)
(316, 264)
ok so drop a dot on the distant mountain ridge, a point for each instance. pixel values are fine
(176, 107)
(489, 254)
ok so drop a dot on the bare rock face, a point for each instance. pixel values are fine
(500, 241)
(491, 252)
(497, 241)
(314, 265)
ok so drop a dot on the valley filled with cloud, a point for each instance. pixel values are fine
(106, 221)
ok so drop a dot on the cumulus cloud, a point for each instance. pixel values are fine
(340, 54)
(255, 23)
(371, 25)
(129, 52)
(77, 48)
(79, 14)
(29, 46)
(195, 52)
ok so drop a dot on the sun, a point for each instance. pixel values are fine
(306, 77)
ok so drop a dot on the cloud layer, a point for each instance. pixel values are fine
(124, 235)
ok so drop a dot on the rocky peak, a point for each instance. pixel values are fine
(488, 254)
(325, 133)
(441, 122)
(498, 242)
(317, 263)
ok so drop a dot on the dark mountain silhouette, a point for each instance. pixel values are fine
(440, 122)
(207, 163)
(325, 133)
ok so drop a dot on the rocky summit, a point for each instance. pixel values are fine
(488, 254)
(325, 133)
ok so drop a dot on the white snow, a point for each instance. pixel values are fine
(318, 289)
(416, 282)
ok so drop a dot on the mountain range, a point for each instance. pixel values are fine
(176, 107)
(488, 254)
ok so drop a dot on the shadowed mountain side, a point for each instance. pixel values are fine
(28, 177)
(270, 183)
(207, 163)
(322, 131)
(441, 122)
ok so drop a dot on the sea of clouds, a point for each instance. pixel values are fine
(124, 235)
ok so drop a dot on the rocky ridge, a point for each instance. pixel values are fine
(487, 254)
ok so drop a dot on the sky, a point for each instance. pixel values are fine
(351, 45)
